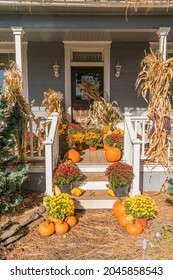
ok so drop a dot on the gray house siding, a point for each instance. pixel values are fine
(122, 89)
(41, 58)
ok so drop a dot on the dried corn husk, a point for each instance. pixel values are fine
(153, 83)
(13, 87)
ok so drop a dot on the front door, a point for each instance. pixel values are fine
(80, 103)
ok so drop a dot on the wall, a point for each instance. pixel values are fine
(122, 89)
(41, 58)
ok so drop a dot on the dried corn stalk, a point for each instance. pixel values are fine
(153, 84)
(13, 87)
(53, 103)
(101, 112)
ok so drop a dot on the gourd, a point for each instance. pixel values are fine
(73, 155)
(118, 209)
(134, 228)
(116, 131)
(61, 228)
(112, 154)
(123, 220)
(71, 221)
(46, 228)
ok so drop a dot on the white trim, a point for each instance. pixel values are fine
(9, 47)
(70, 46)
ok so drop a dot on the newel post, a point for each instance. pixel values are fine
(136, 168)
(49, 166)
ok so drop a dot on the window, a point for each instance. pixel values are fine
(4, 64)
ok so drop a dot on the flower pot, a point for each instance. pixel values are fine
(92, 148)
(79, 148)
(65, 188)
(143, 222)
(121, 191)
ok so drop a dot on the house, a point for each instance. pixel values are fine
(57, 44)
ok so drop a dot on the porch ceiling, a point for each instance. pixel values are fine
(87, 35)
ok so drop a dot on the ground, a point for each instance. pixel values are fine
(98, 236)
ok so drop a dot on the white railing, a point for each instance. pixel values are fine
(132, 152)
(136, 145)
(51, 152)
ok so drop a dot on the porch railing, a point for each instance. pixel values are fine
(136, 144)
(44, 134)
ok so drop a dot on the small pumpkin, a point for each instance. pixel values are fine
(124, 219)
(118, 209)
(113, 154)
(71, 221)
(116, 131)
(73, 155)
(61, 228)
(46, 228)
(106, 147)
(134, 228)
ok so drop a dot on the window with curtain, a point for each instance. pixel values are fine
(4, 64)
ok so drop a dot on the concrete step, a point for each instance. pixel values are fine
(94, 199)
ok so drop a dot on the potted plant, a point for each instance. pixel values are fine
(114, 140)
(142, 207)
(120, 176)
(75, 141)
(74, 128)
(59, 206)
(94, 139)
(66, 173)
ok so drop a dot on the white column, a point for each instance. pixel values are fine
(135, 190)
(162, 34)
(18, 33)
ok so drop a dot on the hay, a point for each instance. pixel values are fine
(96, 236)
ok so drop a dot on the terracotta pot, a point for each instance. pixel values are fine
(92, 148)
(143, 222)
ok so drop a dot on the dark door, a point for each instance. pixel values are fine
(80, 103)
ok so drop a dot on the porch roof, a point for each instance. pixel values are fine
(85, 6)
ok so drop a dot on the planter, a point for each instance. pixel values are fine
(92, 148)
(143, 222)
(79, 148)
(121, 191)
(65, 188)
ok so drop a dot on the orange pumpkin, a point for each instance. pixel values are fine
(113, 154)
(71, 221)
(73, 155)
(118, 209)
(61, 228)
(124, 219)
(46, 228)
(134, 228)
(106, 147)
(116, 131)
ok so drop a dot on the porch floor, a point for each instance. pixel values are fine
(93, 157)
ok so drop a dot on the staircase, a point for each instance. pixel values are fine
(93, 166)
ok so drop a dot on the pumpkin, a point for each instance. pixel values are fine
(124, 219)
(106, 147)
(116, 131)
(61, 228)
(118, 209)
(71, 221)
(73, 155)
(46, 228)
(134, 228)
(113, 154)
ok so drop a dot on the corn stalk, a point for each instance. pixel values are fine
(153, 83)
(101, 112)
(13, 87)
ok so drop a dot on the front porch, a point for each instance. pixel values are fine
(93, 164)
